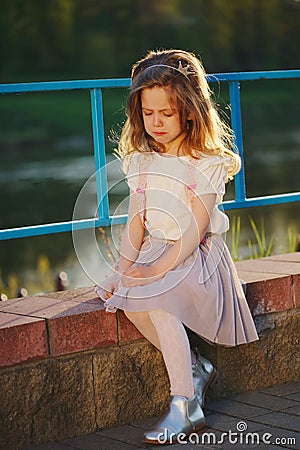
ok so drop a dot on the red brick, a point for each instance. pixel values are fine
(73, 325)
(251, 277)
(48, 307)
(264, 291)
(296, 285)
(126, 330)
(21, 339)
(289, 257)
(268, 265)
(79, 332)
(267, 292)
(88, 293)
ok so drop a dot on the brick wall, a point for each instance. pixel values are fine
(67, 367)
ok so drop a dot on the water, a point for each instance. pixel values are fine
(40, 183)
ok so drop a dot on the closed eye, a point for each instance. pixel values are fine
(165, 113)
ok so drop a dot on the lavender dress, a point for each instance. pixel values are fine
(204, 291)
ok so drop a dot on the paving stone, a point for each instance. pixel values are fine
(236, 409)
(188, 447)
(96, 442)
(126, 433)
(267, 401)
(295, 396)
(271, 425)
(219, 439)
(281, 420)
(52, 446)
(293, 410)
(192, 442)
(287, 438)
(222, 422)
(146, 424)
(283, 390)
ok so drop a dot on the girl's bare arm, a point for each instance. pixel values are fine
(190, 239)
(133, 236)
(184, 247)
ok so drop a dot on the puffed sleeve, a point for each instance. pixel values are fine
(138, 164)
(132, 176)
(210, 176)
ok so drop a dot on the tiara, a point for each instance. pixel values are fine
(183, 70)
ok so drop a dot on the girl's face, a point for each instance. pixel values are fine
(161, 118)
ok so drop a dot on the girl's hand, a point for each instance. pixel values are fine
(110, 289)
(139, 276)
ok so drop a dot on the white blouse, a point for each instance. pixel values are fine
(167, 209)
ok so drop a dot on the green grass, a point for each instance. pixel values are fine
(263, 246)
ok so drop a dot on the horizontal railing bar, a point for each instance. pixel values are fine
(60, 227)
(259, 75)
(38, 230)
(262, 201)
(19, 88)
(76, 225)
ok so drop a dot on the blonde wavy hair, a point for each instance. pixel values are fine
(206, 133)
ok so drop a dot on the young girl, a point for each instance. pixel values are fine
(176, 153)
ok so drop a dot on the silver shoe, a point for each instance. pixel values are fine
(204, 374)
(184, 417)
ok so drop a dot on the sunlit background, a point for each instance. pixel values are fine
(46, 150)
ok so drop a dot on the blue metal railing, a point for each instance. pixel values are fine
(95, 87)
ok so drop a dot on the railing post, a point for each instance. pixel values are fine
(236, 125)
(99, 153)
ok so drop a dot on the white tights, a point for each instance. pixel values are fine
(167, 333)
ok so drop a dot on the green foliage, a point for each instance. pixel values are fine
(263, 244)
(103, 38)
(40, 280)
(292, 239)
(235, 237)
(262, 247)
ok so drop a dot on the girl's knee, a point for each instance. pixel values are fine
(128, 314)
(134, 316)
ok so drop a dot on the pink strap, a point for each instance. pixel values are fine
(192, 176)
(191, 181)
(142, 183)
